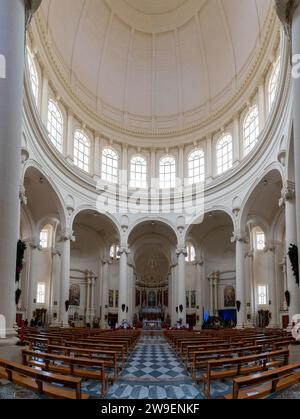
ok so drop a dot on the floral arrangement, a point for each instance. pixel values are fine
(21, 247)
(293, 255)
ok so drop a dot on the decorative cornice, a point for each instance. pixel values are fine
(181, 251)
(123, 250)
(67, 234)
(239, 237)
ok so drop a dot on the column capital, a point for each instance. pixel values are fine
(67, 234)
(238, 237)
(285, 10)
(55, 252)
(181, 251)
(123, 250)
(287, 193)
(106, 261)
(22, 195)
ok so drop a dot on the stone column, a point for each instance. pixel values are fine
(211, 295)
(236, 141)
(295, 20)
(273, 306)
(88, 299)
(288, 201)
(13, 18)
(32, 291)
(239, 241)
(54, 286)
(67, 236)
(70, 137)
(250, 290)
(97, 152)
(181, 254)
(209, 160)
(45, 98)
(123, 283)
(93, 283)
(174, 275)
(104, 299)
(199, 291)
(181, 164)
(215, 282)
(153, 174)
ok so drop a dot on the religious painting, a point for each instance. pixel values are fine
(229, 296)
(111, 298)
(144, 298)
(116, 298)
(74, 295)
(166, 298)
(187, 294)
(193, 299)
(137, 298)
(151, 299)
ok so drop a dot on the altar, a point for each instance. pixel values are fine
(152, 324)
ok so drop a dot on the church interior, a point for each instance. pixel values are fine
(149, 199)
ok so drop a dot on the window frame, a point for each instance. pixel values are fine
(113, 176)
(258, 286)
(198, 171)
(43, 284)
(134, 174)
(226, 158)
(172, 173)
(251, 130)
(81, 151)
(33, 74)
(53, 125)
(274, 83)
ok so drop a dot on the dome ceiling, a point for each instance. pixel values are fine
(154, 64)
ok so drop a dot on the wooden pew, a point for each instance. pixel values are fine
(267, 383)
(110, 358)
(68, 364)
(201, 358)
(42, 381)
(220, 369)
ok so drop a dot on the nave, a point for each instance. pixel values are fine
(154, 365)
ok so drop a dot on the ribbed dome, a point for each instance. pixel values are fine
(155, 64)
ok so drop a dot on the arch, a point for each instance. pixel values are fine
(59, 201)
(274, 83)
(89, 210)
(158, 220)
(267, 176)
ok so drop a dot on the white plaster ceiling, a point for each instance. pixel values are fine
(153, 64)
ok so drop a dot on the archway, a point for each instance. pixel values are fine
(153, 250)
(94, 273)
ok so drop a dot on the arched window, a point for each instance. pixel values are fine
(110, 165)
(46, 237)
(196, 167)
(113, 252)
(191, 253)
(259, 239)
(167, 172)
(34, 79)
(138, 172)
(55, 125)
(251, 130)
(81, 151)
(273, 83)
(224, 154)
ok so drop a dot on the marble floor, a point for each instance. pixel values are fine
(153, 371)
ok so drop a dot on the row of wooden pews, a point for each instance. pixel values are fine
(65, 356)
(236, 354)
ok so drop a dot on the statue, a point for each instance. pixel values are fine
(296, 327)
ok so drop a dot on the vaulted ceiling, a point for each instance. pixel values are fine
(146, 63)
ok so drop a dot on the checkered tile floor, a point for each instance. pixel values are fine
(154, 372)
